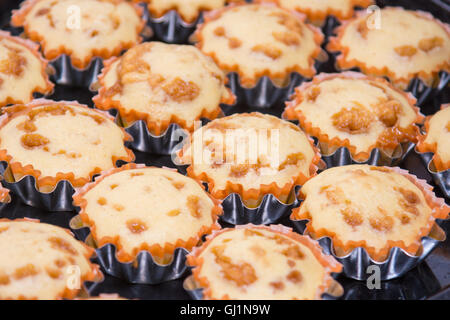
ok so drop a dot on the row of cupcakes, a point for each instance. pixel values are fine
(355, 215)
(39, 156)
(264, 61)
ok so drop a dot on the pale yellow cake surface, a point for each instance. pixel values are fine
(21, 71)
(255, 263)
(189, 10)
(259, 40)
(251, 150)
(407, 43)
(439, 134)
(62, 138)
(40, 261)
(83, 27)
(352, 107)
(148, 206)
(165, 81)
(366, 203)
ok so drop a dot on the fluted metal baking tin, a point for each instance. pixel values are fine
(165, 144)
(342, 157)
(171, 28)
(143, 270)
(442, 179)
(265, 94)
(269, 211)
(422, 92)
(60, 199)
(67, 74)
(356, 263)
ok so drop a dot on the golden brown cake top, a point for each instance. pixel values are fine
(82, 29)
(146, 208)
(258, 40)
(251, 262)
(373, 207)
(60, 140)
(43, 261)
(436, 138)
(378, 44)
(22, 70)
(358, 112)
(163, 84)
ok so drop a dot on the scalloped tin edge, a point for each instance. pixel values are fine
(356, 263)
(342, 156)
(143, 270)
(442, 179)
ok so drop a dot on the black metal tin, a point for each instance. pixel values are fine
(269, 211)
(342, 157)
(66, 74)
(143, 270)
(356, 263)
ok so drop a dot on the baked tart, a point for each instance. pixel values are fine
(419, 47)
(355, 111)
(376, 208)
(163, 84)
(138, 208)
(45, 262)
(318, 10)
(81, 29)
(436, 138)
(23, 71)
(54, 141)
(256, 40)
(250, 154)
(262, 262)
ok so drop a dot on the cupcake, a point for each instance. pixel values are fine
(251, 154)
(44, 261)
(146, 209)
(254, 41)
(318, 10)
(4, 195)
(162, 84)
(260, 263)
(173, 21)
(54, 141)
(434, 147)
(417, 48)
(374, 208)
(358, 112)
(80, 29)
(23, 71)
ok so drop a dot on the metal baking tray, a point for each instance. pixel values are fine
(430, 280)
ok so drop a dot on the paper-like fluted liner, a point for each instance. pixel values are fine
(143, 270)
(442, 178)
(398, 261)
(270, 210)
(196, 285)
(171, 28)
(60, 196)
